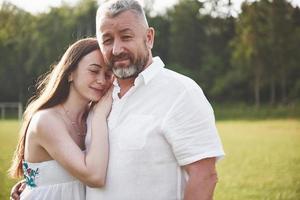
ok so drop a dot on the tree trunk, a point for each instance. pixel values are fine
(283, 88)
(272, 90)
(257, 91)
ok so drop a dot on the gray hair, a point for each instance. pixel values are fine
(112, 8)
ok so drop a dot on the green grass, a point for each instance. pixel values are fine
(8, 140)
(262, 159)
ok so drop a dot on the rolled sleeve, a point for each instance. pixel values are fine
(190, 128)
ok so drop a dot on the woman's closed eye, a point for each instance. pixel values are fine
(94, 71)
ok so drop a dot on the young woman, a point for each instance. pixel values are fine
(51, 152)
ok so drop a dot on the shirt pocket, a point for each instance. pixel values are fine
(134, 131)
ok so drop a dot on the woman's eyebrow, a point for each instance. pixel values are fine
(95, 64)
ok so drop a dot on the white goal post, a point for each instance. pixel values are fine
(4, 106)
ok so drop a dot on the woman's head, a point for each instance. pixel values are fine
(53, 89)
(56, 86)
(90, 79)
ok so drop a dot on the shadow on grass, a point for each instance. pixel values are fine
(240, 111)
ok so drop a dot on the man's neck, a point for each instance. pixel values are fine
(125, 85)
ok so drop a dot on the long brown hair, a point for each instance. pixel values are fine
(52, 89)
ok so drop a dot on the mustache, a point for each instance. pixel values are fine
(121, 56)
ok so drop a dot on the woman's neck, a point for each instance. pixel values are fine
(76, 107)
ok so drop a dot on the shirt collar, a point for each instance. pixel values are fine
(150, 72)
(145, 76)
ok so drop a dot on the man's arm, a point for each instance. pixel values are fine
(202, 180)
(17, 189)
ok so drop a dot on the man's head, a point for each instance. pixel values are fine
(124, 37)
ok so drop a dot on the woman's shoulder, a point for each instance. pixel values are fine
(46, 119)
(46, 116)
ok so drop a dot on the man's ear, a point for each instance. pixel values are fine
(150, 37)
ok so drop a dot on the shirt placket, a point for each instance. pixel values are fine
(118, 104)
(115, 113)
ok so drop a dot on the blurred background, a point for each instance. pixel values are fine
(245, 55)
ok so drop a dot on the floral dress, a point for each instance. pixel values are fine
(50, 181)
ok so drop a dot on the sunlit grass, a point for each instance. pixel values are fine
(262, 159)
(8, 140)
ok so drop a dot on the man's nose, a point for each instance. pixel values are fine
(117, 47)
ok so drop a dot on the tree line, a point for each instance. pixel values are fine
(252, 58)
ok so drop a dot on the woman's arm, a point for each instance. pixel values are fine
(99, 146)
(89, 167)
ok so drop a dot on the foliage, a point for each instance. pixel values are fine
(30, 44)
(264, 48)
(186, 34)
(162, 31)
(252, 58)
(14, 49)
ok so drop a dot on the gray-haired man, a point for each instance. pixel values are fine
(163, 139)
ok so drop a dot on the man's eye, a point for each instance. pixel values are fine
(107, 41)
(126, 37)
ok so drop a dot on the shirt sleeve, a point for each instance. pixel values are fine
(189, 127)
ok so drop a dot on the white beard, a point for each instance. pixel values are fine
(125, 72)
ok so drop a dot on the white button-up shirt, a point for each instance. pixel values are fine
(163, 122)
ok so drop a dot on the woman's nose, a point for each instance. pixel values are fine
(101, 80)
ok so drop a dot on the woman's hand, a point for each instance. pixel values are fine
(103, 106)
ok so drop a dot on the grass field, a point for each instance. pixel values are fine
(262, 159)
(8, 140)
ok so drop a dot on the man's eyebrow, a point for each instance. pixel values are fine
(126, 30)
(106, 35)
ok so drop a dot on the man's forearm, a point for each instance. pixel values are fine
(200, 188)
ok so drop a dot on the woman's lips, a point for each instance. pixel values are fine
(98, 90)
